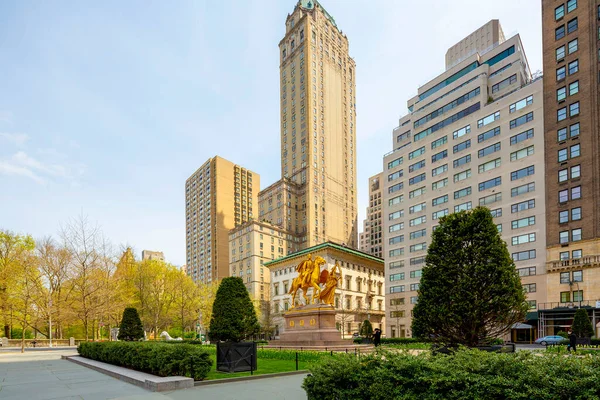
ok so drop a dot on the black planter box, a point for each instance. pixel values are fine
(236, 356)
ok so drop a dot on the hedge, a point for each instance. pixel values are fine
(468, 374)
(154, 358)
(403, 340)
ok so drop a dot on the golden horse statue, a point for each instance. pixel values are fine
(309, 274)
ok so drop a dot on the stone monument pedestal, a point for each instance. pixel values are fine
(311, 325)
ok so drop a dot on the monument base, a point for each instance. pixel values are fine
(311, 325)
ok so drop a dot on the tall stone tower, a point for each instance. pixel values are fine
(318, 125)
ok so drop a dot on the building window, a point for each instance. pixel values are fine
(530, 287)
(575, 150)
(462, 193)
(462, 161)
(490, 183)
(439, 156)
(563, 237)
(565, 297)
(571, 5)
(576, 214)
(463, 207)
(560, 53)
(527, 271)
(461, 146)
(574, 109)
(561, 73)
(439, 184)
(573, 88)
(559, 33)
(488, 135)
(439, 170)
(561, 114)
(576, 235)
(578, 295)
(461, 132)
(563, 175)
(504, 83)
(576, 193)
(439, 142)
(489, 150)
(521, 120)
(563, 155)
(563, 196)
(519, 154)
(573, 46)
(414, 286)
(522, 173)
(577, 276)
(523, 222)
(520, 104)
(575, 171)
(572, 25)
(561, 94)
(563, 217)
(559, 12)
(573, 67)
(489, 119)
(519, 190)
(522, 206)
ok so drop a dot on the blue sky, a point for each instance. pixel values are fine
(107, 107)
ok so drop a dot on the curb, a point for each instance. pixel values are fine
(144, 380)
(248, 378)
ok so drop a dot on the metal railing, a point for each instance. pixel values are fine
(568, 305)
(585, 261)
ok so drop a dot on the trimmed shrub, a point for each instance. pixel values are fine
(233, 316)
(582, 326)
(131, 327)
(366, 329)
(468, 374)
(403, 340)
(151, 357)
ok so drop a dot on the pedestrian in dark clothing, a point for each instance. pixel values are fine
(377, 337)
(572, 342)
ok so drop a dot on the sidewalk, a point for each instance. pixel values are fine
(42, 375)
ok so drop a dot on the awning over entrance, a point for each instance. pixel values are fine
(519, 325)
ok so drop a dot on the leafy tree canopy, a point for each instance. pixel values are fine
(470, 291)
(233, 315)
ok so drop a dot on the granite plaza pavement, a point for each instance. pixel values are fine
(43, 375)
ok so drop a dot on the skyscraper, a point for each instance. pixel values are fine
(371, 236)
(219, 196)
(473, 137)
(318, 126)
(571, 43)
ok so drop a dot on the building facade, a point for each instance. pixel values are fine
(473, 137)
(153, 255)
(359, 296)
(251, 245)
(571, 39)
(371, 238)
(219, 196)
(318, 126)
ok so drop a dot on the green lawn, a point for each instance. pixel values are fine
(264, 366)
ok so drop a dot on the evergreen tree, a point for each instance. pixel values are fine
(131, 328)
(582, 327)
(470, 290)
(366, 329)
(233, 315)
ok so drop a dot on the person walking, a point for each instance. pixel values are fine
(572, 342)
(377, 337)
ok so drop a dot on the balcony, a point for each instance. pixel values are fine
(567, 306)
(583, 262)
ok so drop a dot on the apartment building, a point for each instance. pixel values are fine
(571, 54)
(371, 237)
(153, 255)
(473, 137)
(219, 196)
(318, 126)
(359, 296)
(251, 245)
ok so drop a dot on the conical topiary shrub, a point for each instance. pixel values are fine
(233, 316)
(131, 326)
(582, 327)
(366, 329)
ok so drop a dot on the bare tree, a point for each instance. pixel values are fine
(55, 266)
(84, 241)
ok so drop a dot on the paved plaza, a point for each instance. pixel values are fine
(42, 375)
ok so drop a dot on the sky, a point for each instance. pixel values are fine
(106, 108)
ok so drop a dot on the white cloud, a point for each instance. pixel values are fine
(21, 164)
(10, 169)
(18, 139)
